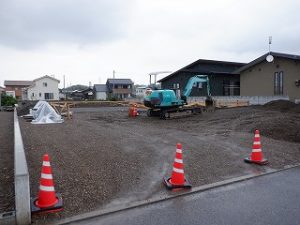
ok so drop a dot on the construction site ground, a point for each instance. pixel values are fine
(7, 202)
(102, 158)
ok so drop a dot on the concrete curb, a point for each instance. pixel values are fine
(22, 188)
(124, 207)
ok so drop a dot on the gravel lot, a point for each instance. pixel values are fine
(7, 201)
(102, 158)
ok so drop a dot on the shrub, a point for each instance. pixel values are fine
(7, 100)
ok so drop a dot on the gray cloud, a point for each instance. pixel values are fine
(29, 24)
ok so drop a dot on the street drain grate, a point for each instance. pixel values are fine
(7, 218)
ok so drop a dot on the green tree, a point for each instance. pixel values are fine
(7, 100)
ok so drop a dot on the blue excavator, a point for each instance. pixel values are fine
(163, 103)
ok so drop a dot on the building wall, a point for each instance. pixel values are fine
(37, 92)
(11, 93)
(100, 96)
(140, 92)
(119, 91)
(259, 79)
(216, 83)
(16, 89)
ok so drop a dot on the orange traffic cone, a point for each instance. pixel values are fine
(135, 112)
(177, 180)
(256, 155)
(47, 200)
(130, 111)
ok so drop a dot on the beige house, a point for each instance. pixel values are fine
(280, 77)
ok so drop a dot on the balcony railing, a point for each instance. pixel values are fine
(121, 91)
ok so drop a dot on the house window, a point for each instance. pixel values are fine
(231, 88)
(176, 86)
(49, 96)
(278, 83)
(44, 84)
(40, 94)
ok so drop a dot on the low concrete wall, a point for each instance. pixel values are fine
(253, 100)
(22, 188)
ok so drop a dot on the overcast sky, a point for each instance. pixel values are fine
(86, 40)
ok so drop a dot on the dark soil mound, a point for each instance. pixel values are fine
(287, 130)
(24, 106)
(280, 105)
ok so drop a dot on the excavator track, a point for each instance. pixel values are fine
(176, 112)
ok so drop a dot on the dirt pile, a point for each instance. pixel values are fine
(24, 106)
(284, 126)
(283, 106)
(286, 130)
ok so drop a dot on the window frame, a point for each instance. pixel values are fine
(49, 96)
(278, 83)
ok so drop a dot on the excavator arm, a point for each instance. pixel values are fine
(196, 79)
(209, 102)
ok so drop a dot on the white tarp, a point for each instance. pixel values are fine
(43, 113)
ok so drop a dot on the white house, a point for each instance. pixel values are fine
(43, 88)
(100, 91)
(140, 91)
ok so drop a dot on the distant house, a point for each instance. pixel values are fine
(78, 95)
(2, 89)
(223, 80)
(76, 91)
(100, 91)
(280, 77)
(119, 88)
(88, 94)
(14, 87)
(140, 91)
(43, 88)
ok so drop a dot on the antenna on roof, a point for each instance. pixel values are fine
(269, 57)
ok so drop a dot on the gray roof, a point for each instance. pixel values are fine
(119, 81)
(17, 83)
(263, 58)
(100, 87)
(226, 69)
(46, 76)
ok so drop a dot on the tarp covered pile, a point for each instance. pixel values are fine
(43, 113)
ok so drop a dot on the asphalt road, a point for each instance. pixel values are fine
(271, 199)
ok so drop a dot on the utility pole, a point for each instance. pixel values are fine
(64, 81)
(114, 72)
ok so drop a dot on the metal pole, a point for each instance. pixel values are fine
(270, 42)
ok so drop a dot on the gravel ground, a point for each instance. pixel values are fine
(7, 202)
(102, 158)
